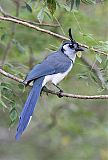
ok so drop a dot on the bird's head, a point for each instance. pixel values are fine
(70, 48)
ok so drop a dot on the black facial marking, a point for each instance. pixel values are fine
(62, 49)
(71, 46)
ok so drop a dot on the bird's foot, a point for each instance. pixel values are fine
(59, 94)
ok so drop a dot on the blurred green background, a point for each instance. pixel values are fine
(61, 129)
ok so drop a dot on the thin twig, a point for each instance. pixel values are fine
(13, 31)
(6, 51)
(25, 23)
(6, 74)
(5, 14)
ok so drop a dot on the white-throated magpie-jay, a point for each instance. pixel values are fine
(54, 68)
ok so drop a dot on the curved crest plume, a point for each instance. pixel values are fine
(70, 35)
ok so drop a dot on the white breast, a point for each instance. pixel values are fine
(56, 78)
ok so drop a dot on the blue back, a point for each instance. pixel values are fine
(57, 62)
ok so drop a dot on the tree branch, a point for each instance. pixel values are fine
(6, 74)
(27, 24)
(5, 14)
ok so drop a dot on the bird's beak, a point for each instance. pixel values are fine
(79, 49)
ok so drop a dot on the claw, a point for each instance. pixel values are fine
(59, 93)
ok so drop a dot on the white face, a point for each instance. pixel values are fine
(69, 50)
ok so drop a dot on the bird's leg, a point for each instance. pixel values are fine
(60, 90)
(44, 88)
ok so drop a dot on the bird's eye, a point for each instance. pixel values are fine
(71, 46)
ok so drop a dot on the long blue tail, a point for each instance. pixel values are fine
(29, 107)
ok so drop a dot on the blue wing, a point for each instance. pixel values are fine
(55, 63)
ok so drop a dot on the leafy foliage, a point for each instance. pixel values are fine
(28, 7)
(102, 46)
(51, 4)
(8, 100)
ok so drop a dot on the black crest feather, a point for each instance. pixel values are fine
(70, 36)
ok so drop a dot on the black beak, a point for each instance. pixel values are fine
(79, 49)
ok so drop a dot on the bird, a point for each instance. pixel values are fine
(52, 69)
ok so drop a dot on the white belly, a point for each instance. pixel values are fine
(56, 78)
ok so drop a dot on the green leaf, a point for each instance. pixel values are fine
(103, 46)
(72, 4)
(21, 75)
(4, 85)
(93, 77)
(3, 36)
(88, 1)
(40, 15)
(13, 114)
(21, 86)
(98, 58)
(32, 0)
(48, 15)
(83, 76)
(66, 7)
(105, 64)
(2, 104)
(77, 3)
(28, 7)
(7, 93)
(9, 68)
(51, 4)
(58, 4)
(8, 99)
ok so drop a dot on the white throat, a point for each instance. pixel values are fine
(69, 52)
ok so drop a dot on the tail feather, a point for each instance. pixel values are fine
(29, 106)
